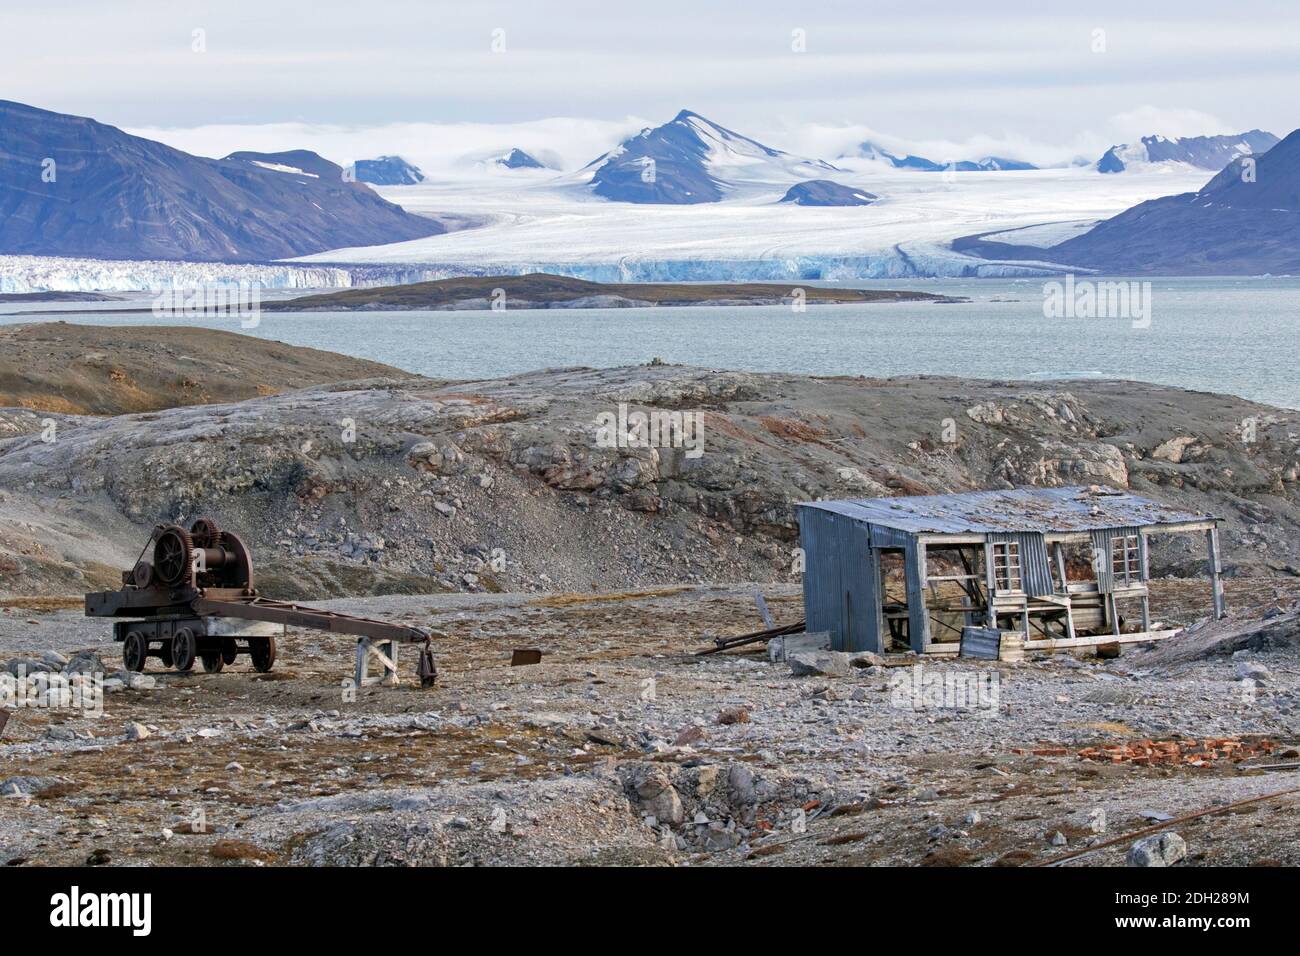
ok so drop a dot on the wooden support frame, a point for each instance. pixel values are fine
(1058, 555)
(382, 653)
(918, 582)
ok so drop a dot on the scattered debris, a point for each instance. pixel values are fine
(754, 637)
(1194, 753)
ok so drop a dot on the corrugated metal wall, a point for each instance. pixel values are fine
(1101, 554)
(1035, 567)
(839, 581)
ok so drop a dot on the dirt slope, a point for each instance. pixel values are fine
(113, 370)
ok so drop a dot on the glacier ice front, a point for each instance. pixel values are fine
(26, 274)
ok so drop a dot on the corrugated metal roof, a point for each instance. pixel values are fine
(1018, 509)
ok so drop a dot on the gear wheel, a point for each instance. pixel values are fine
(205, 533)
(173, 553)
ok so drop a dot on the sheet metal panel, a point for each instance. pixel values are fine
(1101, 554)
(883, 537)
(839, 584)
(1035, 567)
(821, 576)
(1019, 509)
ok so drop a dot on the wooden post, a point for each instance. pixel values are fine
(918, 618)
(990, 585)
(1216, 584)
(1058, 552)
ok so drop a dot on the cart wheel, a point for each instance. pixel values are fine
(134, 651)
(183, 649)
(262, 651)
(229, 650)
(213, 663)
(165, 653)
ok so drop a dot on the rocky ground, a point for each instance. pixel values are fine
(624, 747)
(413, 486)
(497, 514)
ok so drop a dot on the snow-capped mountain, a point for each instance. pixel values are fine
(70, 186)
(518, 159)
(1204, 152)
(387, 171)
(1246, 220)
(870, 150)
(693, 160)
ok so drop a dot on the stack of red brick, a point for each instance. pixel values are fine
(1193, 753)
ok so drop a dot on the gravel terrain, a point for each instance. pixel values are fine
(623, 747)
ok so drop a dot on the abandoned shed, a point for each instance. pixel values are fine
(1058, 566)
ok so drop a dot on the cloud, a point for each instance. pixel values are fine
(1133, 124)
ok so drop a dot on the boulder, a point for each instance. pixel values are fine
(658, 797)
(819, 663)
(1174, 449)
(740, 785)
(1159, 849)
(780, 648)
(1253, 670)
(866, 659)
(26, 666)
(86, 662)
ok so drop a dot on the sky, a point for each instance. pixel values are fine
(1041, 81)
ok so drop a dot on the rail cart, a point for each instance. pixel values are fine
(193, 598)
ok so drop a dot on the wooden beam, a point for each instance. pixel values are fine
(918, 619)
(1058, 554)
(990, 613)
(1216, 568)
(1135, 638)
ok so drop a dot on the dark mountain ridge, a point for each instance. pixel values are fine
(70, 186)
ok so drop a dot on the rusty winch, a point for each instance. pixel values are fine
(191, 597)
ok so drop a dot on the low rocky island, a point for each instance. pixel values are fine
(544, 291)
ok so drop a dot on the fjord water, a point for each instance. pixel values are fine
(1240, 336)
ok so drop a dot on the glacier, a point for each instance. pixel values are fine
(558, 226)
(546, 223)
(26, 274)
